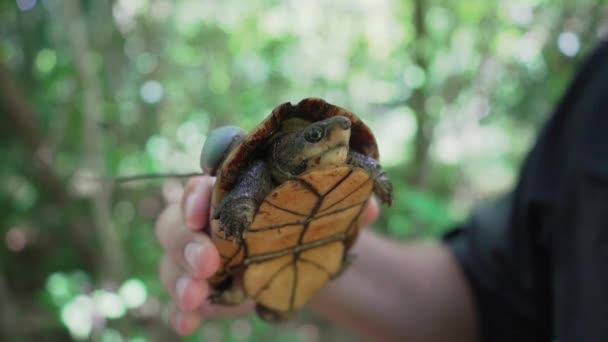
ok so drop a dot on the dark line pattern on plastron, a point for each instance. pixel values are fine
(285, 209)
(294, 288)
(294, 250)
(308, 187)
(300, 223)
(339, 210)
(347, 195)
(300, 247)
(313, 213)
(338, 183)
(231, 257)
(272, 278)
(277, 227)
(317, 265)
(220, 236)
(353, 223)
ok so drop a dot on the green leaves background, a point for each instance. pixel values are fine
(455, 91)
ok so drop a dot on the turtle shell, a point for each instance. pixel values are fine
(301, 233)
(311, 109)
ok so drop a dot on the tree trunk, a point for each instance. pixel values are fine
(424, 123)
(111, 259)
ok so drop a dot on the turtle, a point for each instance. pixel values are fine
(287, 203)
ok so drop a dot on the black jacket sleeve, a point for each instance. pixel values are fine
(537, 259)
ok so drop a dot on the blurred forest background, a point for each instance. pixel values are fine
(92, 89)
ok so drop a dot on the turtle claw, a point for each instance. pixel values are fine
(346, 263)
(230, 234)
(383, 188)
(235, 217)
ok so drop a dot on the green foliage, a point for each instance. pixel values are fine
(454, 90)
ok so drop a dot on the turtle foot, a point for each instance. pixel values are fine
(235, 217)
(383, 188)
(228, 294)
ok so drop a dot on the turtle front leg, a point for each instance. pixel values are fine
(237, 209)
(229, 293)
(383, 187)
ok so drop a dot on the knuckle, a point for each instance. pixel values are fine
(165, 273)
(166, 220)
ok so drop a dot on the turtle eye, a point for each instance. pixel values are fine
(314, 134)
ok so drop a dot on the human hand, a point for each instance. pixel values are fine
(191, 258)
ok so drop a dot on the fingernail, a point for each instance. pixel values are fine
(178, 323)
(190, 202)
(192, 254)
(181, 285)
(183, 324)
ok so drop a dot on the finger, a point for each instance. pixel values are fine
(196, 202)
(372, 211)
(185, 323)
(210, 311)
(188, 293)
(193, 251)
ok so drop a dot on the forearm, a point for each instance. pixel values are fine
(413, 292)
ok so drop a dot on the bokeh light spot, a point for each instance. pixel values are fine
(109, 304)
(521, 13)
(399, 119)
(146, 63)
(85, 183)
(110, 335)
(58, 286)
(191, 133)
(78, 316)
(16, 239)
(46, 59)
(26, 5)
(133, 293)
(23, 193)
(438, 18)
(151, 91)
(568, 43)
(158, 147)
(414, 76)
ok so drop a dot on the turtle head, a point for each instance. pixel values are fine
(217, 146)
(322, 143)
